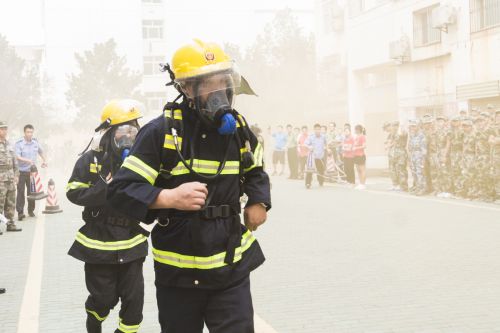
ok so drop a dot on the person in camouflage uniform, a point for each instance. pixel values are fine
(388, 145)
(495, 158)
(9, 174)
(456, 152)
(432, 159)
(483, 184)
(443, 135)
(417, 148)
(468, 159)
(399, 154)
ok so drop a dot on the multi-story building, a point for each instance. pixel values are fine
(406, 58)
(332, 60)
(154, 52)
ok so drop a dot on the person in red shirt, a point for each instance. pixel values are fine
(348, 154)
(359, 155)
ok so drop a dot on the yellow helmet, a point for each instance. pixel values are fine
(121, 111)
(199, 58)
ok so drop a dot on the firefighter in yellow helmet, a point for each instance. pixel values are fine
(112, 246)
(188, 169)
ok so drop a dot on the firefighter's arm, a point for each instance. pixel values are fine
(256, 181)
(132, 190)
(80, 190)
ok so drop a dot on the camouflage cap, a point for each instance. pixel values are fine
(427, 119)
(497, 112)
(3, 124)
(412, 122)
(385, 125)
(395, 123)
(474, 108)
(490, 106)
(441, 117)
(466, 122)
(485, 114)
(456, 118)
(476, 119)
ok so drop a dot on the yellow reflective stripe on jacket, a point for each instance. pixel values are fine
(207, 167)
(177, 114)
(127, 328)
(96, 315)
(141, 168)
(110, 246)
(95, 167)
(258, 156)
(211, 262)
(169, 142)
(242, 121)
(76, 185)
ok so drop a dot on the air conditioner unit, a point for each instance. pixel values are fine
(443, 16)
(400, 50)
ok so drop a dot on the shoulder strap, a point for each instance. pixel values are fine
(172, 115)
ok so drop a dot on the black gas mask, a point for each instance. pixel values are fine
(213, 97)
(217, 111)
(123, 139)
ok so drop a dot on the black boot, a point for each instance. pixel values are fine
(11, 226)
(2, 290)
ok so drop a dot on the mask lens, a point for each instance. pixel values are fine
(125, 136)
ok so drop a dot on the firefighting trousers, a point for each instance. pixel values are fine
(109, 283)
(186, 310)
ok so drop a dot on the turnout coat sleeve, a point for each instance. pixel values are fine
(133, 188)
(84, 187)
(256, 184)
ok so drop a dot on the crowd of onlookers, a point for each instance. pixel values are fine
(330, 153)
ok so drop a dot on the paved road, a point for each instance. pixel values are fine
(338, 260)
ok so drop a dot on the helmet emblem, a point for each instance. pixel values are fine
(209, 56)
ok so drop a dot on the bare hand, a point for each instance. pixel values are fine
(109, 178)
(188, 196)
(254, 216)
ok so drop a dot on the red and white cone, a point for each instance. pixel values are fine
(36, 187)
(51, 205)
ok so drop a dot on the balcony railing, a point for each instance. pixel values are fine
(484, 14)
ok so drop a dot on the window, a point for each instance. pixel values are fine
(333, 16)
(423, 32)
(356, 7)
(484, 14)
(156, 100)
(151, 65)
(152, 29)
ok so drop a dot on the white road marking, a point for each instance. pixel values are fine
(30, 307)
(261, 326)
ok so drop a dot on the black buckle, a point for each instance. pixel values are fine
(212, 212)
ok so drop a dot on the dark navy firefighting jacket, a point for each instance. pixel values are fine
(189, 250)
(107, 237)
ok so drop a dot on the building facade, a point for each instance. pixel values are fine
(407, 58)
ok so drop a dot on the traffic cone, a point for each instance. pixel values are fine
(36, 187)
(51, 206)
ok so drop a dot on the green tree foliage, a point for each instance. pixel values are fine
(102, 75)
(280, 67)
(19, 88)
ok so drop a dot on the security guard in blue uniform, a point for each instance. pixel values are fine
(188, 169)
(112, 246)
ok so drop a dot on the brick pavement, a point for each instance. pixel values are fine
(341, 260)
(338, 260)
